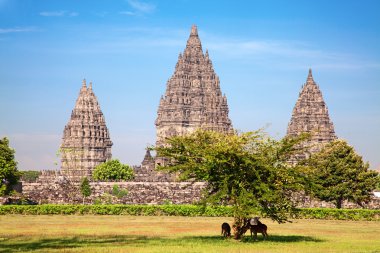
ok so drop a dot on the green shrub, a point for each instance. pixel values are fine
(112, 170)
(181, 210)
(339, 214)
(118, 192)
(29, 176)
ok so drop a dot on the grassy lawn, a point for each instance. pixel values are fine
(178, 234)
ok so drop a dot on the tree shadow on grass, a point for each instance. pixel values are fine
(38, 244)
(282, 239)
(248, 239)
(30, 244)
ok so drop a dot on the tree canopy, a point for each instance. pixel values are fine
(9, 175)
(248, 171)
(112, 170)
(338, 173)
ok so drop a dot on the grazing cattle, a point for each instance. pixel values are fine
(255, 226)
(226, 230)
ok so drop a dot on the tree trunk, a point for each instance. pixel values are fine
(240, 226)
(339, 203)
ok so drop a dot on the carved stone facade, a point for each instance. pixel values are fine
(63, 191)
(193, 98)
(86, 141)
(147, 173)
(310, 115)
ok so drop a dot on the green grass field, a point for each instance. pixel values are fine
(89, 233)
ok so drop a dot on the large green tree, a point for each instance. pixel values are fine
(112, 170)
(9, 175)
(248, 171)
(338, 173)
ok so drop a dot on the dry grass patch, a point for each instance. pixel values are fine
(89, 233)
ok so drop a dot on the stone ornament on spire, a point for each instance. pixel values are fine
(310, 76)
(193, 98)
(194, 30)
(86, 141)
(310, 115)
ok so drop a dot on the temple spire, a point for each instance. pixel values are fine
(147, 158)
(310, 76)
(310, 115)
(194, 31)
(193, 46)
(193, 98)
(86, 140)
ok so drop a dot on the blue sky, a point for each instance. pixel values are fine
(261, 50)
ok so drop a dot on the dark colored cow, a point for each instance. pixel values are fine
(226, 230)
(255, 226)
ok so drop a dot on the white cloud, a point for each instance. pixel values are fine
(291, 52)
(288, 53)
(129, 13)
(18, 30)
(59, 13)
(140, 7)
(252, 47)
(52, 13)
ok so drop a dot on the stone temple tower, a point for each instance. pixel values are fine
(86, 141)
(193, 98)
(310, 114)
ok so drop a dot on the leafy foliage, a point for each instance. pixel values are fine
(378, 182)
(112, 196)
(29, 176)
(112, 170)
(119, 193)
(85, 188)
(337, 173)
(9, 175)
(180, 210)
(248, 171)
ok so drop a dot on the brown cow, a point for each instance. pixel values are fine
(226, 230)
(255, 226)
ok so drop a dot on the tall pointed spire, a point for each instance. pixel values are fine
(310, 114)
(310, 76)
(148, 159)
(86, 141)
(193, 98)
(194, 30)
(193, 50)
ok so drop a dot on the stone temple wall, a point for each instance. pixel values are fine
(62, 191)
